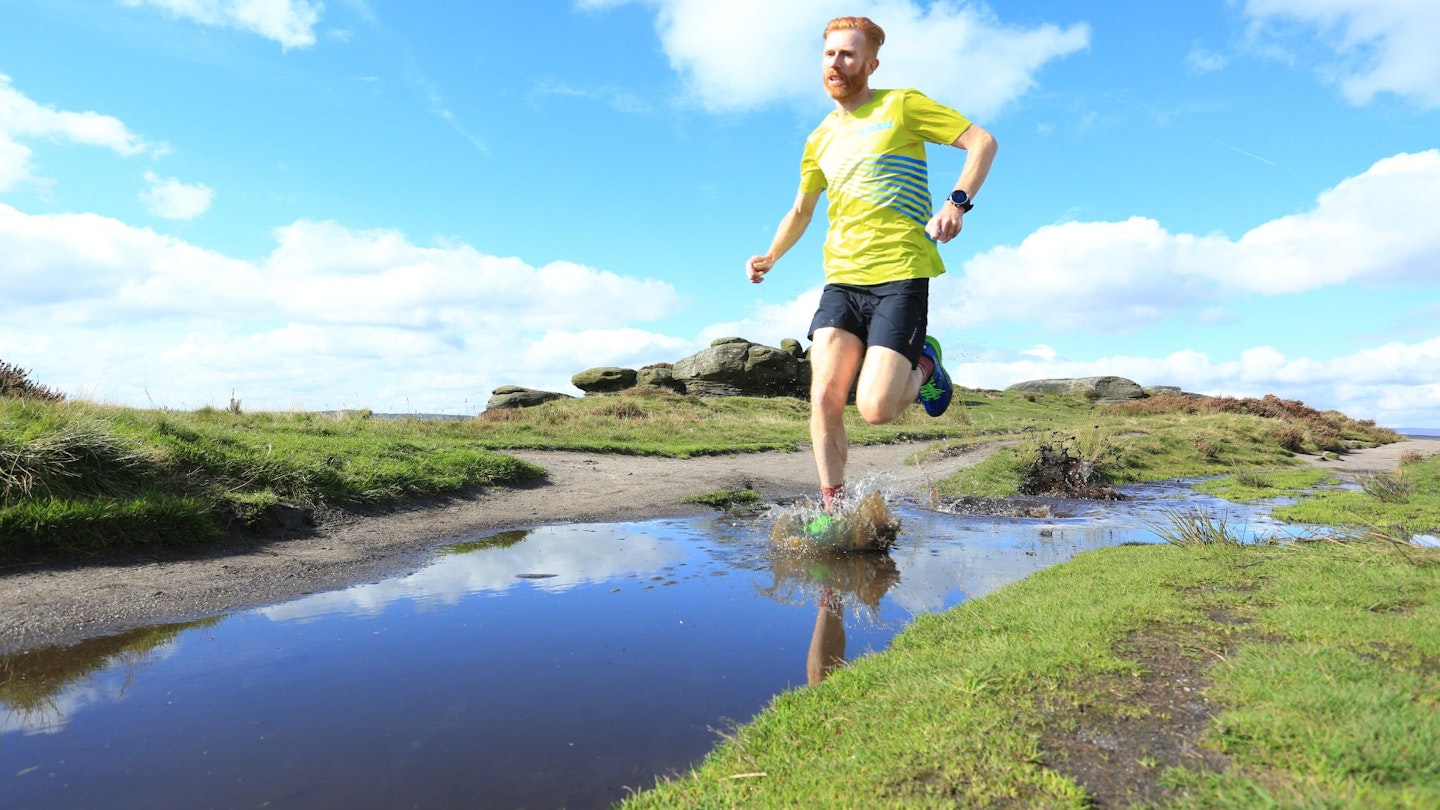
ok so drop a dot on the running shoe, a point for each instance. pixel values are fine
(936, 392)
(819, 526)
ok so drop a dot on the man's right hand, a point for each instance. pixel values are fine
(757, 267)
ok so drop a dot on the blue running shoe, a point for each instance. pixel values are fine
(936, 392)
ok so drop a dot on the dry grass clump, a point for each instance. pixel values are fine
(1208, 449)
(1289, 437)
(16, 382)
(502, 415)
(81, 458)
(1197, 527)
(1386, 487)
(1254, 479)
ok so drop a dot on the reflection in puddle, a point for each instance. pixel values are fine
(40, 689)
(831, 580)
(544, 668)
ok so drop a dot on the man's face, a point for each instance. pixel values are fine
(849, 60)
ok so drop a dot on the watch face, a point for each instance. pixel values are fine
(959, 197)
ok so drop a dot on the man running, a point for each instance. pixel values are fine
(880, 252)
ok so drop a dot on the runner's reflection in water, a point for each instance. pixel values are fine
(827, 645)
(837, 582)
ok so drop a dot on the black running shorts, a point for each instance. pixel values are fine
(893, 314)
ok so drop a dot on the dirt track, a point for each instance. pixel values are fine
(50, 604)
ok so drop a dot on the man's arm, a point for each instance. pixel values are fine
(792, 227)
(980, 148)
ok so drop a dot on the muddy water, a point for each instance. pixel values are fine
(554, 667)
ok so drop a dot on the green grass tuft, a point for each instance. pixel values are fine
(723, 498)
(1386, 487)
(1196, 527)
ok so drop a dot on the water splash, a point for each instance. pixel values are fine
(862, 522)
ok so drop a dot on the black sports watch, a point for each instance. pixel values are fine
(961, 200)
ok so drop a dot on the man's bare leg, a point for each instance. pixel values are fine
(835, 357)
(827, 643)
(888, 385)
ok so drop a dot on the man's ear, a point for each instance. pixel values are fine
(874, 63)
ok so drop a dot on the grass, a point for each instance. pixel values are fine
(1154, 439)
(656, 421)
(1197, 527)
(1411, 507)
(1319, 661)
(721, 498)
(1258, 485)
(1386, 487)
(77, 475)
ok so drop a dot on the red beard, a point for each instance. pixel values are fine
(845, 88)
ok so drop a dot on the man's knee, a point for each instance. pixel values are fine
(879, 407)
(829, 400)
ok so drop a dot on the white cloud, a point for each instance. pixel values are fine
(1041, 351)
(749, 53)
(625, 348)
(594, 554)
(288, 22)
(614, 97)
(1380, 46)
(1392, 384)
(332, 317)
(1097, 276)
(15, 163)
(1372, 229)
(23, 119)
(1202, 60)
(770, 323)
(169, 198)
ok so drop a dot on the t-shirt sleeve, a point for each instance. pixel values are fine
(934, 122)
(812, 177)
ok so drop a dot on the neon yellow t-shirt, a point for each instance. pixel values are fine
(872, 166)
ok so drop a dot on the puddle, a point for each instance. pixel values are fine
(554, 667)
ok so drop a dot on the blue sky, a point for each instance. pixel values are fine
(402, 206)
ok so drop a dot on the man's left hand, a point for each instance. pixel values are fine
(946, 223)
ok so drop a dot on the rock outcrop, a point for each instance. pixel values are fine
(513, 396)
(1102, 389)
(604, 380)
(659, 375)
(730, 367)
(736, 367)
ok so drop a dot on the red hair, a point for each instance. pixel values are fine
(874, 34)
